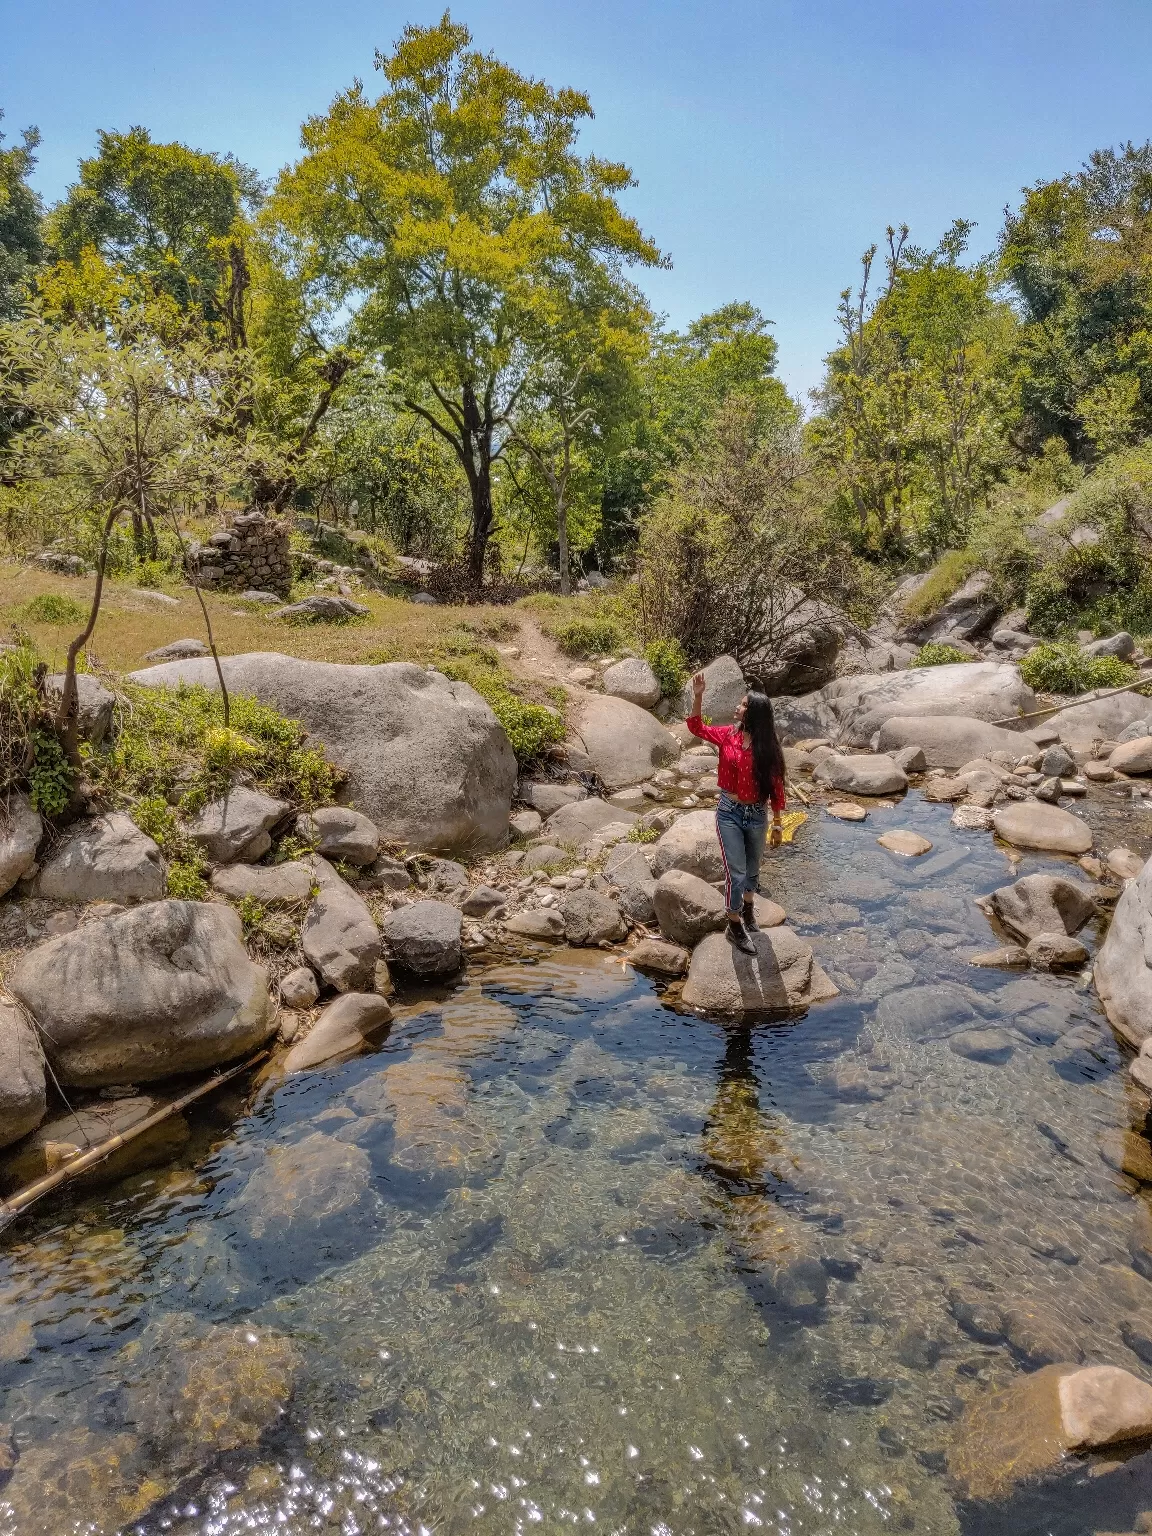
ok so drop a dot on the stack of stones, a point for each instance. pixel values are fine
(252, 553)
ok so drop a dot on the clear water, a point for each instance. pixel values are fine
(560, 1256)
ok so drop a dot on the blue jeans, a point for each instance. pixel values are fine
(742, 830)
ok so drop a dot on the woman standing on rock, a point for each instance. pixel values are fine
(750, 774)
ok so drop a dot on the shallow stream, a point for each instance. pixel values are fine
(560, 1256)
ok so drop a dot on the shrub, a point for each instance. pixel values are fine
(639, 834)
(30, 751)
(51, 777)
(529, 726)
(588, 637)
(947, 576)
(1063, 668)
(54, 608)
(668, 661)
(936, 655)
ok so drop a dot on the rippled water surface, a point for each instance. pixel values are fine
(561, 1256)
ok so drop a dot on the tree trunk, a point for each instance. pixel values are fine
(562, 541)
(480, 485)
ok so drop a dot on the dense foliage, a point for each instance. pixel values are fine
(1062, 667)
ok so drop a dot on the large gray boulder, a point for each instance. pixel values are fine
(632, 679)
(339, 937)
(687, 907)
(23, 1098)
(237, 826)
(852, 709)
(782, 976)
(424, 938)
(1100, 720)
(1120, 645)
(950, 741)
(20, 833)
(691, 844)
(1042, 904)
(163, 989)
(581, 819)
(338, 832)
(103, 858)
(1133, 757)
(624, 744)
(1123, 969)
(968, 614)
(1031, 824)
(426, 759)
(340, 1032)
(724, 687)
(94, 704)
(862, 774)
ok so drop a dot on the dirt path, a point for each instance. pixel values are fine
(541, 658)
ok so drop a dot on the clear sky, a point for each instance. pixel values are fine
(772, 141)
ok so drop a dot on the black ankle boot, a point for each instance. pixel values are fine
(749, 917)
(738, 937)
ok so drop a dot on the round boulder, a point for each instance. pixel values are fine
(622, 742)
(338, 832)
(632, 679)
(424, 938)
(862, 775)
(590, 918)
(781, 976)
(690, 843)
(687, 907)
(1031, 824)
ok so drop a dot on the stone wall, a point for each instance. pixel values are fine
(250, 554)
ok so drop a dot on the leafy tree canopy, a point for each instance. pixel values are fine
(21, 245)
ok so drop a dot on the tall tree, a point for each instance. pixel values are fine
(21, 213)
(447, 217)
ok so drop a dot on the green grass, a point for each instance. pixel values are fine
(54, 608)
(1061, 667)
(588, 637)
(947, 576)
(936, 655)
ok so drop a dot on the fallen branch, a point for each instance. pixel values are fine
(1088, 698)
(23, 1198)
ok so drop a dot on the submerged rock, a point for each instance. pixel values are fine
(1042, 903)
(307, 1184)
(781, 976)
(60, 1140)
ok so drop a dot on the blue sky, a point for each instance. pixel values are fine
(772, 142)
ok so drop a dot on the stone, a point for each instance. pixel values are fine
(1124, 864)
(852, 709)
(768, 914)
(1079, 725)
(539, 924)
(972, 818)
(846, 810)
(388, 874)
(23, 1095)
(1097, 773)
(781, 976)
(340, 1032)
(724, 688)
(426, 758)
(664, 959)
(423, 939)
(901, 840)
(1012, 640)
(1134, 731)
(307, 1186)
(628, 864)
(482, 900)
(339, 937)
(632, 679)
(637, 900)
(1123, 968)
(157, 990)
(624, 744)
(447, 878)
(862, 775)
(1009, 957)
(576, 822)
(20, 833)
(65, 1137)
(525, 823)
(544, 856)
(236, 827)
(1042, 903)
(1128, 1152)
(580, 677)
(299, 988)
(949, 741)
(322, 608)
(911, 758)
(967, 615)
(687, 907)
(590, 918)
(341, 834)
(1121, 645)
(546, 797)
(103, 858)
(272, 885)
(255, 595)
(1027, 824)
(691, 844)
(1054, 951)
(993, 1047)
(1057, 762)
(94, 704)
(1133, 757)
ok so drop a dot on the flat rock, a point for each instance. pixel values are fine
(862, 775)
(656, 955)
(547, 797)
(341, 834)
(901, 840)
(236, 827)
(426, 758)
(632, 679)
(525, 823)
(544, 856)
(1123, 968)
(1133, 757)
(542, 923)
(299, 989)
(103, 858)
(628, 864)
(949, 741)
(993, 1047)
(724, 688)
(339, 937)
(20, 833)
(1055, 951)
(322, 608)
(691, 844)
(1079, 725)
(94, 704)
(972, 818)
(482, 900)
(623, 743)
(158, 990)
(579, 820)
(846, 810)
(424, 938)
(590, 918)
(272, 885)
(687, 907)
(781, 976)
(1042, 903)
(23, 1099)
(1028, 824)
(340, 1032)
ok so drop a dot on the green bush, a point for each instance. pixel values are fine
(668, 661)
(1062, 667)
(530, 727)
(936, 655)
(51, 777)
(641, 834)
(53, 608)
(947, 576)
(588, 637)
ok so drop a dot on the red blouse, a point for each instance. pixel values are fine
(735, 773)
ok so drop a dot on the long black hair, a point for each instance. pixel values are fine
(767, 753)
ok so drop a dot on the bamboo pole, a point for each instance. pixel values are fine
(1089, 698)
(23, 1198)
